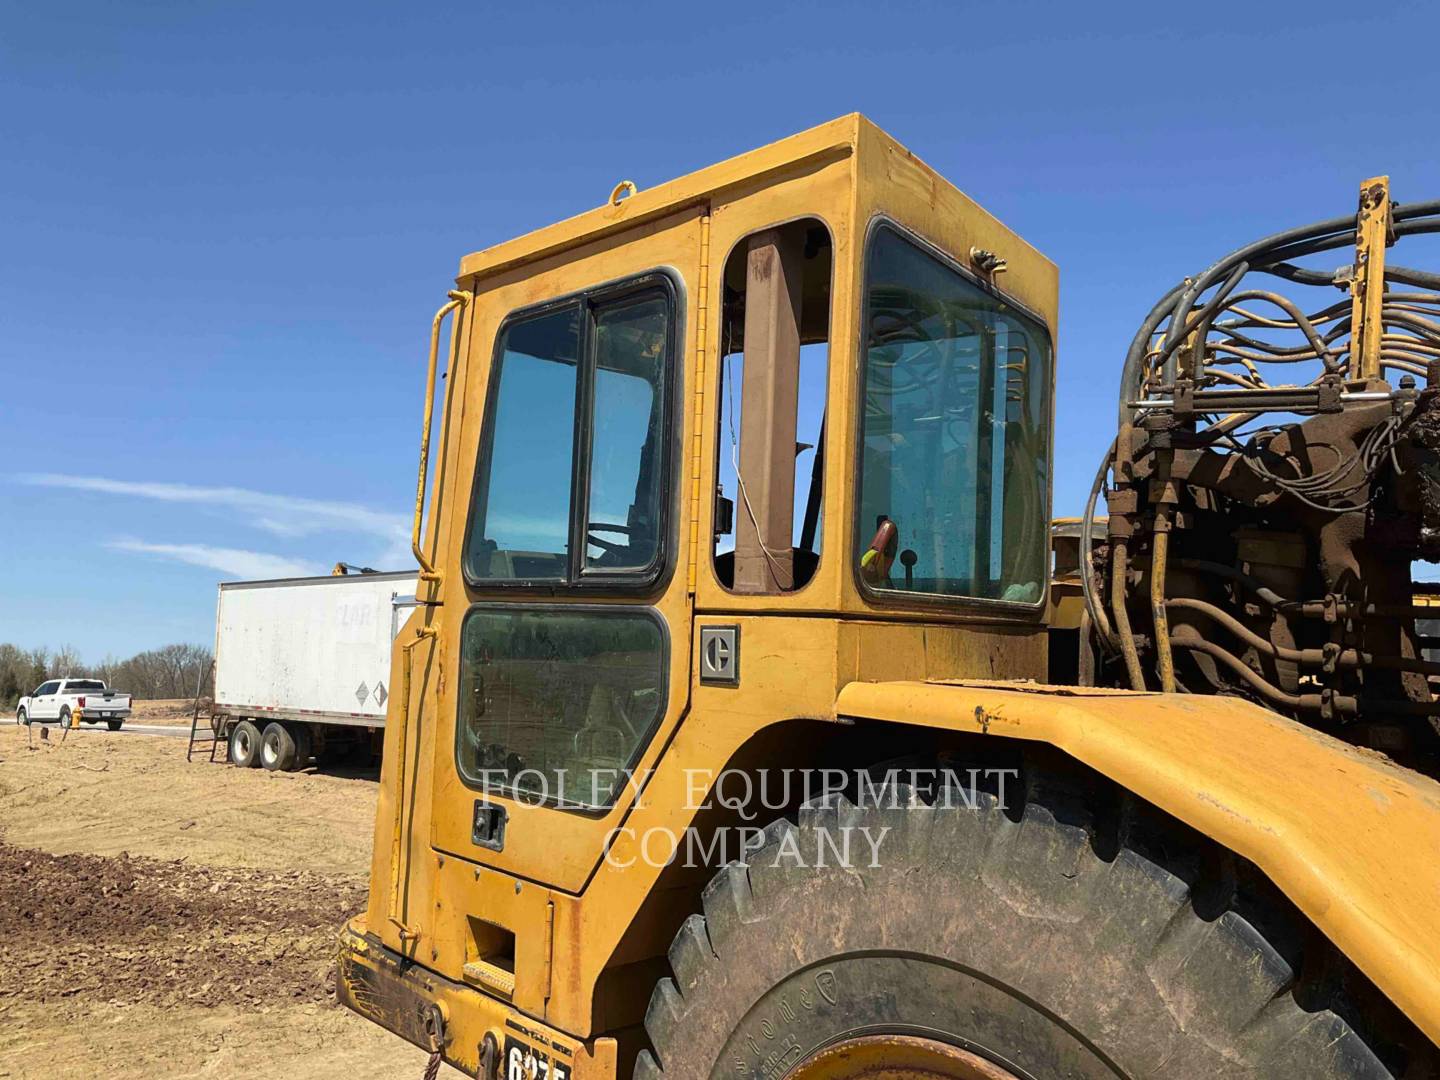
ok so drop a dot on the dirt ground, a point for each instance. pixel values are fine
(164, 919)
(163, 711)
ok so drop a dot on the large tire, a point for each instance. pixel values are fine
(245, 745)
(65, 717)
(277, 748)
(1004, 934)
(22, 718)
(114, 725)
(304, 746)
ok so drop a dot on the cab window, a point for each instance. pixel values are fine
(572, 471)
(556, 703)
(954, 434)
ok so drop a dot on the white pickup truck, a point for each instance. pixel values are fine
(60, 699)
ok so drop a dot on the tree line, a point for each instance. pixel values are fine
(168, 672)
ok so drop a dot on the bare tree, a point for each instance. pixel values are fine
(14, 670)
(65, 663)
(172, 671)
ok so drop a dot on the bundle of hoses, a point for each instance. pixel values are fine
(1188, 313)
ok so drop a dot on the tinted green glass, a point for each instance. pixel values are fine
(555, 704)
(955, 430)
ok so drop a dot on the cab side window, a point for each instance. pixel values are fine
(772, 408)
(954, 434)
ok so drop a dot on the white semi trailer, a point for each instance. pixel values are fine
(302, 665)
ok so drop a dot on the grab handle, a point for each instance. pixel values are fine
(457, 299)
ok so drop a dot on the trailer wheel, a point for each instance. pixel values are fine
(986, 943)
(304, 741)
(245, 745)
(277, 748)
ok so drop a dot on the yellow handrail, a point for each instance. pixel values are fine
(457, 298)
(400, 834)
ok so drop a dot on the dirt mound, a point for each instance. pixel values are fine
(151, 931)
(204, 951)
(99, 793)
(163, 710)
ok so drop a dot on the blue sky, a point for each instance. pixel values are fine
(226, 227)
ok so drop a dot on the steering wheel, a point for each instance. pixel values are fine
(605, 545)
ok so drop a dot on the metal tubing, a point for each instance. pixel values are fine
(1119, 568)
(1094, 605)
(1348, 395)
(1344, 658)
(399, 835)
(1186, 638)
(457, 298)
(1314, 609)
(1158, 553)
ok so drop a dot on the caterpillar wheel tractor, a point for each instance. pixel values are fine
(756, 721)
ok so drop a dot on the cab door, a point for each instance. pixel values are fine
(566, 600)
(46, 705)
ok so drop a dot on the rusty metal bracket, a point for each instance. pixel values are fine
(489, 1057)
(987, 262)
(1374, 232)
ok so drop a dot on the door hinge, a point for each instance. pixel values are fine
(702, 339)
(549, 950)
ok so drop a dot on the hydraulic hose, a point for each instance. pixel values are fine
(1263, 254)
(1119, 570)
(1094, 606)
(1159, 549)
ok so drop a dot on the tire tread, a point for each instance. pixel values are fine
(1122, 879)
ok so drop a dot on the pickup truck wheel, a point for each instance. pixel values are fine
(245, 745)
(65, 716)
(1015, 942)
(114, 725)
(277, 748)
(21, 718)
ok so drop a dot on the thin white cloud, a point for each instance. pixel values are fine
(236, 563)
(282, 515)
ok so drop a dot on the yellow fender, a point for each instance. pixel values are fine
(1352, 839)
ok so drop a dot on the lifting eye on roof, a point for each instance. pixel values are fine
(622, 191)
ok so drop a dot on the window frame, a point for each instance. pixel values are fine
(578, 579)
(509, 791)
(1003, 609)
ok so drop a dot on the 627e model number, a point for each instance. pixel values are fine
(526, 1063)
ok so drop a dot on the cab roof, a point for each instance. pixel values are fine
(837, 138)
